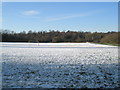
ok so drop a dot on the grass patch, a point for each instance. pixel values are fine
(109, 44)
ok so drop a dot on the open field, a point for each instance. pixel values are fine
(59, 65)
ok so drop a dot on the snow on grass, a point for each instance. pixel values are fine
(59, 65)
(35, 45)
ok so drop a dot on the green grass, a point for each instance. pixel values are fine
(109, 44)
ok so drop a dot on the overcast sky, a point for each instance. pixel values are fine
(77, 16)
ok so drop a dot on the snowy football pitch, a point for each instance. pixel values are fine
(59, 65)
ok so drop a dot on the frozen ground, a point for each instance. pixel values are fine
(59, 65)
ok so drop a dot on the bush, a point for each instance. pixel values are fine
(111, 38)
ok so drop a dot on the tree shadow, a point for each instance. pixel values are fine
(22, 75)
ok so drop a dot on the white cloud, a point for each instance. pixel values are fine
(64, 17)
(1, 20)
(70, 16)
(30, 12)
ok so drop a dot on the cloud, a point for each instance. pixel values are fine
(64, 17)
(71, 16)
(30, 12)
(1, 20)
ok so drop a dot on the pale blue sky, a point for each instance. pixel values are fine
(77, 16)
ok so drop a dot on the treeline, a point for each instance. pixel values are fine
(60, 36)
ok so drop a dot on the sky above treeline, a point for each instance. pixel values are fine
(63, 16)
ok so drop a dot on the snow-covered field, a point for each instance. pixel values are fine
(59, 65)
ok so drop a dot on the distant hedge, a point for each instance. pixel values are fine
(60, 36)
(111, 38)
